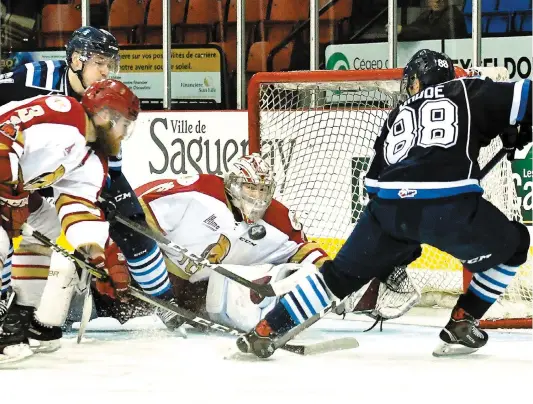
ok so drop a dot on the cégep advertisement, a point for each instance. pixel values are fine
(496, 53)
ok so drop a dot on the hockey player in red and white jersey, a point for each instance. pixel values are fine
(231, 220)
(55, 141)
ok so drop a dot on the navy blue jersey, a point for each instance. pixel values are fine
(33, 79)
(429, 145)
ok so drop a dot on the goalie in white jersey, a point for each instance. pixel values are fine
(231, 220)
(54, 141)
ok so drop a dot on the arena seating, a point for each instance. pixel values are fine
(127, 19)
(58, 22)
(501, 16)
(268, 24)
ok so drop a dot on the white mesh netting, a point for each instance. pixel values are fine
(319, 137)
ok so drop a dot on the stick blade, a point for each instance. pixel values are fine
(338, 344)
(86, 313)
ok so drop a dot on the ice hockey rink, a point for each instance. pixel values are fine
(142, 362)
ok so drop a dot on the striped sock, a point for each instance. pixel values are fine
(490, 284)
(309, 297)
(6, 271)
(485, 288)
(150, 271)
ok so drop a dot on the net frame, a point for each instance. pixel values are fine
(380, 78)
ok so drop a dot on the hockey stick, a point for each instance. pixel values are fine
(492, 163)
(86, 311)
(190, 317)
(333, 345)
(281, 343)
(184, 255)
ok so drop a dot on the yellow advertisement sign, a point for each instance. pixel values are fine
(182, 60)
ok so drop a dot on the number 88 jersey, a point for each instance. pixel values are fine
(429, 145)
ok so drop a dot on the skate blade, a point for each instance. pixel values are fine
(449, 350)
(44, 346)
(15, 353)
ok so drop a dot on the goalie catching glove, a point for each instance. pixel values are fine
(383, 300)
(114, 264)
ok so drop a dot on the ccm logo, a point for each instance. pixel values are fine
(477, 259)
(123, 196)
(247, 241)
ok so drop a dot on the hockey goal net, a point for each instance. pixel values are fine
(318, 128)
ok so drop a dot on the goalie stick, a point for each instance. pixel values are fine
(190, 317)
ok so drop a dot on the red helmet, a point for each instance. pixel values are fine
(111, 94)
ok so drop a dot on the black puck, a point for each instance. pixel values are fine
(257, 232)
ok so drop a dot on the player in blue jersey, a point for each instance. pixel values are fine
(424, 188)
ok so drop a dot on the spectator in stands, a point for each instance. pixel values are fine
(442, 20)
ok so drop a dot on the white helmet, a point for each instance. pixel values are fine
(251, 186)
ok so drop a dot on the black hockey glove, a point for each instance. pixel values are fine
(524, 136)
(514, 138)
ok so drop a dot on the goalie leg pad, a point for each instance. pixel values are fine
(55, 301)
(235, 305)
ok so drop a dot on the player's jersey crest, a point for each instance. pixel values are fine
(45, 180)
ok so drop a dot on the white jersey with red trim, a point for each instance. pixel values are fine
(194, 213)
(45, 140)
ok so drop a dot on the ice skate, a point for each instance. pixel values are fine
(461, 336)
(43, 338)
(172, 321)
(258, 341)
(14, 344)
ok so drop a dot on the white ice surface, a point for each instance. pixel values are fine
(150, 365)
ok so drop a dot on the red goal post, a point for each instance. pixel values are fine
(316, 115)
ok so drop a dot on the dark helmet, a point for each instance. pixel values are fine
(89, 40)
(429, 67)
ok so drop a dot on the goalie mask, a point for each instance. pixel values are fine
(251, 186)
